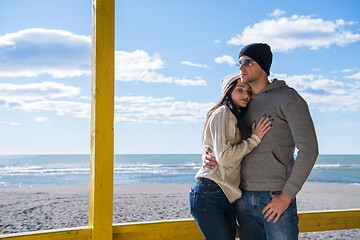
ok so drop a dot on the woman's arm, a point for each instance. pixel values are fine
(222, 128)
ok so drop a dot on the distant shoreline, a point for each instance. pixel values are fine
(63, 170)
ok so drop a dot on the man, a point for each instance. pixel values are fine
(270, 176)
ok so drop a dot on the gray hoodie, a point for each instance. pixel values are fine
(271, 165)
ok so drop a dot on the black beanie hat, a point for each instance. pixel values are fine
(259, 52)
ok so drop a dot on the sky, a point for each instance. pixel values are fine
(169, 59)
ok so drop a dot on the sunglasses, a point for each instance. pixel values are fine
(246, 63)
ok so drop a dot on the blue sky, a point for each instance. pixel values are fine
(170, 56)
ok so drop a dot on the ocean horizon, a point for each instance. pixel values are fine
(73, 169)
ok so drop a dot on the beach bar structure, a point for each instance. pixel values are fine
(100, 225)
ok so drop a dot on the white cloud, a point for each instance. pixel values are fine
(72, 108)
(36, 91)
(85, 97)
(225, 59)
(14, 124)
(277, 13)
(325, 94)
(194, 64)
(189, 82)
(138, 66)
(36, 51)
(138, 60)
(31, 52)
(347, 70)
(41, 98)
(41, 119)
(217, 41)
(47, 36)
(354, 76)
(143, 109)
(285, 33)
(142, 99)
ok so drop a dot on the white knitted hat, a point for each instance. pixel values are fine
(228, 80)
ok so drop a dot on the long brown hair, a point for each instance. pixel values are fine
(227, 101)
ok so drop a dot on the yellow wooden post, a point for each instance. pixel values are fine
(102, 115)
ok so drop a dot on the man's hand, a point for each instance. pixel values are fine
(276, 207)
(208, 160)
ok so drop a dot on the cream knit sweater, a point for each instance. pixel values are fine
(222, 136)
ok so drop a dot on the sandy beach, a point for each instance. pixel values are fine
(39, 208)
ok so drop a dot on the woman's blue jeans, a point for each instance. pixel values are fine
(253, 225)
(212, 211)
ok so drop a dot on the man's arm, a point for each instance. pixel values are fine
(208, 160)
(302, 128)
(303, 132)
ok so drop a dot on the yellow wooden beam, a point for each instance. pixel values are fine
(316, 221)
(309, 221)
(102, 115)
(79, 233)
(159, 230)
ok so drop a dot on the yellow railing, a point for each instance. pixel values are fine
(327, 220)
(80, 233)
(311, 221)
(101, 163)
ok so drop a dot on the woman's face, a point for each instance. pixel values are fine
(241, 94)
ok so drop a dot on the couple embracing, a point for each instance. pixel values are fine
(250, 177)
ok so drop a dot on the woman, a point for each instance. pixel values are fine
(213, 196)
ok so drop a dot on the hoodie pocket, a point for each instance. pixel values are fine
(277, 159)
(279, 170)
(263, 166)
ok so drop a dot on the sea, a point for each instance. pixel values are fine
(17, 171)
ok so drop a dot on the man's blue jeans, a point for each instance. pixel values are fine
(212, 211)
(253, 225)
